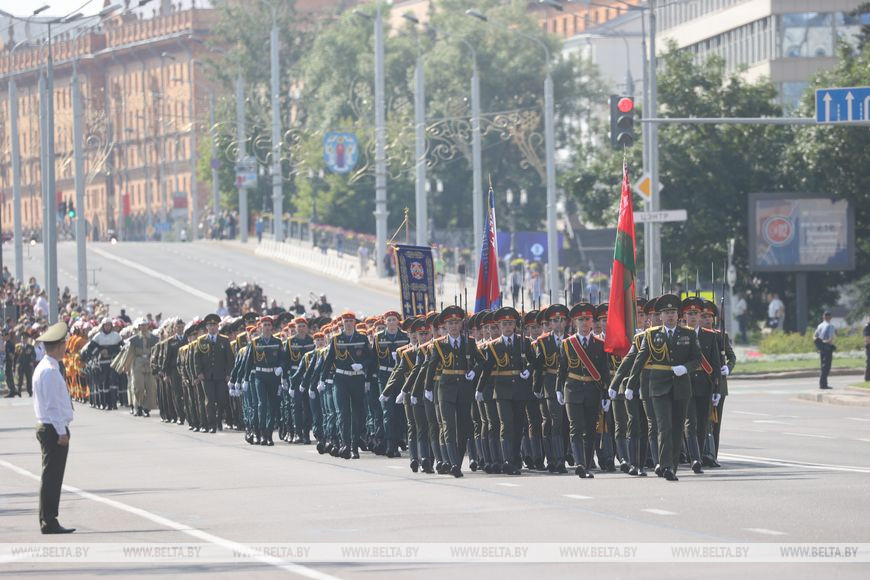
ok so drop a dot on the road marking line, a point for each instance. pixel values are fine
(751, 413)
(789, 463)
(765, 531)
(809, 435)
(575, 496)
(658, 512)
(157, 275)
(395, 467)
(864, 440)
(509, 484)
(855, 418)
(314, 451)
(770, 422)
(189, 530)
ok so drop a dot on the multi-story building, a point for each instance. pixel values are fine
(146, 102)
(787, 41)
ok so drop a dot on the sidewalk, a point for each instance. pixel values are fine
(849, 397)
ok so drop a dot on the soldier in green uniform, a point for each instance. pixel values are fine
(507, 360)
(529, 441)
(728, 360)
(261, 370)
(604, 438)
(191, 403)
(670, 353)
(352, 355)
(427, 440)
(387, 343)
(213, 363)
(302, 382)
(425, 390)
(548, 347)
(143, 383)
(399, 378)
(491, 426)
(583, 372)
(297, 347)
(705, 381)
(25, 362)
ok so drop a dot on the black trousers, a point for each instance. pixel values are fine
(53, 467)
(827, 357)
(10, 378)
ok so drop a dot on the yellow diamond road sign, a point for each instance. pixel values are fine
(644, 187)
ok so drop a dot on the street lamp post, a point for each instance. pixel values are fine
(421, 212)
(549, 147)
(277, 177)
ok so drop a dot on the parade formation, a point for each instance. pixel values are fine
(508, 390)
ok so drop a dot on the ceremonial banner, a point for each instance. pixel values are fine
(621, 311)
(488, 292)
(416, 279)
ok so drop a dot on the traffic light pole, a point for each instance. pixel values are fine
(78, 154)
(655, 240)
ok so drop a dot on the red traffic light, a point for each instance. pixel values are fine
(625, 105)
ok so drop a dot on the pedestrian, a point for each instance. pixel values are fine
(259, 227)
(9, 365)
(775, 312)
(54, 413)
(867, 349)
(741, 313)
(824, 340)
(363, 259)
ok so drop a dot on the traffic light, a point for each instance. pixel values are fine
(621, 121)
(71, 210)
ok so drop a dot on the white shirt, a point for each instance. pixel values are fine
(51, 400)
(774, 307)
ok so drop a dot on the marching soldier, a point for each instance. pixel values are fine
(387, 345)
(507, 362)
(298, 347)
(670, 353)
(583, 370)
(351, 353)
(213, 363)
(604, 444)
(728, 360)
(418, 421)
(394, 388)
(705, 381)
(144, 386)
(261, 371)
(194, 413)
(548, 347)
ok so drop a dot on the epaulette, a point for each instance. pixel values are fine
(441, 338)
(711, 330)
(597, 338)
(687, 328)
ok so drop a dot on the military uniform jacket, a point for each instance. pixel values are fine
(171, 346)
(726, 357)
(620, 379)
(384, 346)
(296, 348)
(451, 365)
(504, 364)
(183, 362)
(419, 381)
(548, 360)
(25, 357)
(705, 379)
(140, 350)
(406, 357)
(302, 375)
(261, 358)
(576, 380)
(213, 360)
(657, 355)
(344, 351)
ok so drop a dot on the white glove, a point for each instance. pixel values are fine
(525, 374)
(725, 371)
(368, 387)
(612, 393)
(356, 367)
(629, 394)
(605, 405)
(413, 400)
(278, 371)
(285, 386)
(321, 386)
(679, 370)
(231, 386)
(301, 389)
(395, 355)
(311, 394)
(478, 396)
(400, 398)
(429, 395)
(560, 397)
(245, 386)
(383, 398)
(469, 376)
(539, 395)
(716, 398)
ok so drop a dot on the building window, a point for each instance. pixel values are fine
(791, 93)
(848, 28)
(806, 34)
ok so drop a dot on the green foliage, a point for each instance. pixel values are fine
(794, 342)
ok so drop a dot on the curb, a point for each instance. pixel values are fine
(802, 374)
(845, 400)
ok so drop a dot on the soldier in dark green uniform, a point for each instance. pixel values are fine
(705, 381)
(583, 372)
(394, 390)
(351, 353)
(548, 347)
(213, 363)
(25, 362)
(261, 368)
(387, 344)
(297, 347)
(670, 353)
(728, 360)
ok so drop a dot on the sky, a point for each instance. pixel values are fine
(58, 7)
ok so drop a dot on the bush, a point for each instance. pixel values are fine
(793, 342)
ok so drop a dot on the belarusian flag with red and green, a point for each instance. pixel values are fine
(621, 312)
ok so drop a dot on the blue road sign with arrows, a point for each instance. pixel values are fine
(843, 105)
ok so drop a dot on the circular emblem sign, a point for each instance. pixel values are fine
(777, 230)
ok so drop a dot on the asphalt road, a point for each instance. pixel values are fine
(188, 279)
(792, 471)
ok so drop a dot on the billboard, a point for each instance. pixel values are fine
(795, 232)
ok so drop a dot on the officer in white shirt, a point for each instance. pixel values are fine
(54, 412)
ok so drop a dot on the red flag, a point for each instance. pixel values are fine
(488, 292)
(621, 312)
